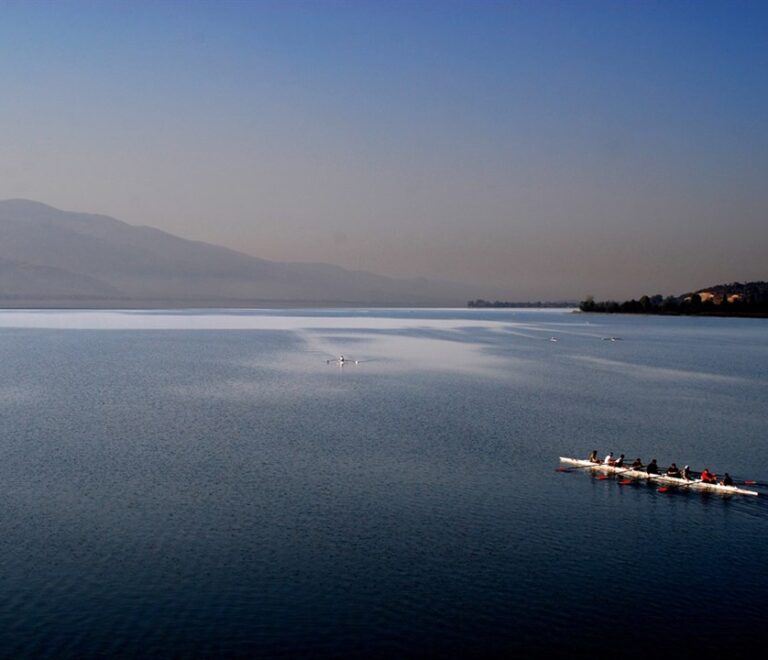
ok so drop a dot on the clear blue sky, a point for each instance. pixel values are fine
(546, 149)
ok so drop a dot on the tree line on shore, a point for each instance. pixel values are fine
(737, 299)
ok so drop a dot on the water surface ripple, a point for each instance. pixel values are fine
(205, 484)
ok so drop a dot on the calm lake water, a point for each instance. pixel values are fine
(205, 484)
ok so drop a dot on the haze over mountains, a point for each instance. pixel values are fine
(50, 257)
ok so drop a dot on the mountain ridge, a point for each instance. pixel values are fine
(109, 262)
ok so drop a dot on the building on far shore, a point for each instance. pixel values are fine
(716, 298)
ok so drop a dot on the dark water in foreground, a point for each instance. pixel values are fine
(204, 484)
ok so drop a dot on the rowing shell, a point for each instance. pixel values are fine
(672, 481)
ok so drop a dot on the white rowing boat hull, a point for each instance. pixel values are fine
(696, 484)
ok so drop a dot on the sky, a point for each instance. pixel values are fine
(544, 150)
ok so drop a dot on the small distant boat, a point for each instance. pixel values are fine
(341, 361)
(612, 339)
(553, 339)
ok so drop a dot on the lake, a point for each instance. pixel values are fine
(205, 483)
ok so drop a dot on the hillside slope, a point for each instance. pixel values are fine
(51, 257)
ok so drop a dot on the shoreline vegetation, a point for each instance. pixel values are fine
(525, 305)
(749, 299)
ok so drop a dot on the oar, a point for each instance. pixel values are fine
(603, 477)
(623, 482)
(600, 477)
(577, 467)
(626, 482)
(665, 489)
(746, 482)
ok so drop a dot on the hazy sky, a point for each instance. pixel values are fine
(548, 149)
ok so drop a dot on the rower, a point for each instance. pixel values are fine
(609, 459)
(687, 473)
(593, 457)
(652, 468)
(637, 464)
(708, 477)
(619, 462)
(727, 481)
(672, 471)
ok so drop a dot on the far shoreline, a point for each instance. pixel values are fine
(270, 306)
(755, 315)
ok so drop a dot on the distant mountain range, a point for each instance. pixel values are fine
(54, 258)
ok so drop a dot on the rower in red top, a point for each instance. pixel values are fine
(708, 477)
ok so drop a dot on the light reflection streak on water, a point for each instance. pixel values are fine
(389, 352)
(380, 344)
(223, 320)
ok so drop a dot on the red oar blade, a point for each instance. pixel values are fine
(562, 469)
(601, 477)
(750, 482)
(663, 489)
(625, 482)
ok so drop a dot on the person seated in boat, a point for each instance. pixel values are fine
(593, 457)
(609, 460)
(672, 471)
(652, 468)
(619, 462)
(687, 473)
(708, 477)
(637, 464)
(727, 481)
